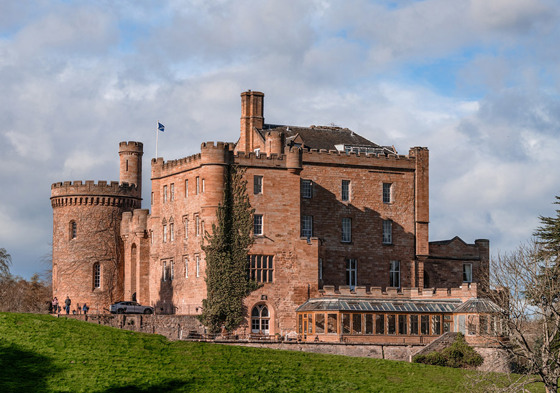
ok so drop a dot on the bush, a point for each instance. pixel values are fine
(457, 355)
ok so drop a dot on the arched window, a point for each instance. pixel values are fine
(73, 230)
(97, 275)
(260, 319)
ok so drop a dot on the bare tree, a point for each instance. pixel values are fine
(528, 288)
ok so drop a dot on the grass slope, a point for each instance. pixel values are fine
(40, 353)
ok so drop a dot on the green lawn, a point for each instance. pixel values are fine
(40, 353)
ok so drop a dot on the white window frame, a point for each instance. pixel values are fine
(306, 188)
(351, 272)
(387, 192)
(346, 230)
(164, 233)
(198, 265)
(467, 272)
(203, 185)
(345, 190)
(387, 231)
(171, 232)
(306, 226)
(257, 152)
(97, 275)
(197, 229)
(395, 274)
(258, 224)
(257, 184)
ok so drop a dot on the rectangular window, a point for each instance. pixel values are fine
(467, 272)
(436, 324)
(320, 268)
(258, 224)
(369, 323)
(351, 273)
(414, 324)
(387, 192)
(187, 188)
(171, 232)
(356, 323)
(447, 322)
(306, 189)
(152, 237)
(202, 228)
(402, 324)
(345, 323)
(186, 267)
(172, 190)
(331, 323)
(380, 324)
(257, 184)
(345, 192)
(319, 323)
(198, 266)
(261, 267)
(164, 271)
(395, 274)
(425, 325)
(306, 226)
(197, 185)
(164, 194)
(186, 221)
(203, 185)
(171, 270)
(197, 229)
(391, 324)
(257, 152)
(152, 198)
(483, 324)
(165, 233)
(346, 230)
(387, 232)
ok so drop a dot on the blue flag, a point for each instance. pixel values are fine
(160, 127)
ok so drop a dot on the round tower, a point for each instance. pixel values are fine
(130, 172)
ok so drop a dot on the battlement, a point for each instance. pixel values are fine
(217, 145)
(465, 292)
(131, 146)
(91, 188)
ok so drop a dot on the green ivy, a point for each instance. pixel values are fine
(226, 250)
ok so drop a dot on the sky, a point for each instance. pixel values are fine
(475, 81)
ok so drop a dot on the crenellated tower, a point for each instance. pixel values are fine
(87, 248)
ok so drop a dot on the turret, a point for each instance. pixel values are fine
(252, 117)
(130, 154)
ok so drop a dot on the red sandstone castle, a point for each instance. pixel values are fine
(341, 237)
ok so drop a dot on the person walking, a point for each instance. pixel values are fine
(67, 304)
(55, 305)
(85, 308)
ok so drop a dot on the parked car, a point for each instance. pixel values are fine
(130, 308)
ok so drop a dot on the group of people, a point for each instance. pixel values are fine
(57, 307)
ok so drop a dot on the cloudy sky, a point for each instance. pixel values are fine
(476, 81)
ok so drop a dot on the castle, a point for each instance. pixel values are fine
(341, 237)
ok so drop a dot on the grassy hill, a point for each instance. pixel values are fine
(40, 353)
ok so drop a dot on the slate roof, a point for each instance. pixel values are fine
(478, 305)
(326, 137)
(380, 305)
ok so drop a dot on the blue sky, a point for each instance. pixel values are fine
(475, 81)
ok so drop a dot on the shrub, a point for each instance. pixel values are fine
(458, 355)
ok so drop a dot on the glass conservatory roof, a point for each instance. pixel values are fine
(380, 305)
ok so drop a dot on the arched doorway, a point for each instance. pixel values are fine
(260, 319)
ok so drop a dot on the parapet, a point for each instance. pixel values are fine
(131, 146)
(90, 193)
(465, 292)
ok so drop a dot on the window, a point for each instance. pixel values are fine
(186, 228)
(402, 324)
(164, 233)
(425, 324)
(96, 275)
(172, 190)
(306, 226)
(203, 185)
(345, 192)
(319, 323)
(257, 152)
(73, 230)
(467, 272)
(260, 319)
(261, 267)
(152, 198)
(387, 192)
(198, 265)
(320, 268)
(332, 323)
(164, 194)
(351, 273)
(257, 184)
(186, 267)
(395, 274)
(306, 189)
(346, 230)
(379, 324)
(414, 324)
(258, 224)
(164, 271)
(171, 270)
(346, 323)
(197, 185)
(197, 229)
(187, 188)
(436, 324)
(391, 324)
(387, 232)
(152, 237)
(171, 232)
(368, 323)
(202, 230)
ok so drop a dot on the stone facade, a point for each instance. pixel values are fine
(333, 210)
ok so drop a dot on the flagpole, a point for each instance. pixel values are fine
(157, 134)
